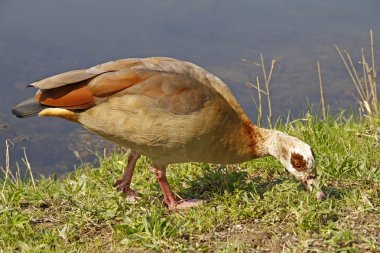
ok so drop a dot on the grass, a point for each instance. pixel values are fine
(251, 207)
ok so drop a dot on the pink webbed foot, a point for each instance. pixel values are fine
(129, 194)
(169, 198)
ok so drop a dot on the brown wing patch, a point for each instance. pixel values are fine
(110, 83)
(298, 162)
(175, 93)
(74, 96)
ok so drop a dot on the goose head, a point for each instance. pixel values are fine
(296, 156)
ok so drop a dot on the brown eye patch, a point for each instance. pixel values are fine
(298, 162)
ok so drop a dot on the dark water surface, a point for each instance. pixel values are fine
(40, 38)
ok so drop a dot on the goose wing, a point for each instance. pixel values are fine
(178, 85)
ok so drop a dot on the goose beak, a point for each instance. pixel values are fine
(311, 184)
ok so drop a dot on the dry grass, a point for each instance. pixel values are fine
(365, 84)
(267, 79)
(321, 90)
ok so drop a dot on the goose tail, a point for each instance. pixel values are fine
(28, 108)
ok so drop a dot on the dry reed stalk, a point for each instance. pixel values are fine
(374, 71)
(267, 79)
(372, 51)
(350, 71)
(365, 78)
(366, 86)
(260, 101)
(7, 172)
(259, 106)
(321, 90)
(29, 168)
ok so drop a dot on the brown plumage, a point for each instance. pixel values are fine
(169, 110)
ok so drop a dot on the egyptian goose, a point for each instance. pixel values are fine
(169, 110)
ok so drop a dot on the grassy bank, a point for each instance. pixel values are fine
(251, 206)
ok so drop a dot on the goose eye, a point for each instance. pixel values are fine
(298, 162)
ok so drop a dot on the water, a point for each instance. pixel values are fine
(41, 38)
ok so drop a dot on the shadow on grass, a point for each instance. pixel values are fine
(219, 181)
(336, 193)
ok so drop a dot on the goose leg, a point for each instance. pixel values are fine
(169, 198)
(123, 184)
